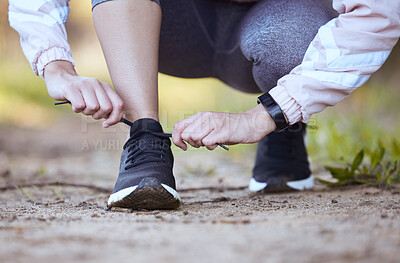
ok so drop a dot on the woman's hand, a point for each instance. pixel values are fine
(212, 128)
(87, 95)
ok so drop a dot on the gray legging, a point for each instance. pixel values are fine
(249, 46)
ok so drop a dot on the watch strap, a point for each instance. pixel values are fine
(274, 111)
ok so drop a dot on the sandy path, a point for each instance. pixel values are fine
(67, 224)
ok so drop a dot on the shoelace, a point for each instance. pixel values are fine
(166, 135)
(140, 153)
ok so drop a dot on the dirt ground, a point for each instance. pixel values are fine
(221, 224)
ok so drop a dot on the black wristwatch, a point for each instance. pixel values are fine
(275, 111)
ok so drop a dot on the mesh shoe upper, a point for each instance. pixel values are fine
(147, 153)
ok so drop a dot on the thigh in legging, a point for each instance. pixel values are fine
(199, 38)
(275, 35)
(186, 38)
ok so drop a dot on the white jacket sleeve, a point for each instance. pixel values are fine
(341, 58)
(41, 26)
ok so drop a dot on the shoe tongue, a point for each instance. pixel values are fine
(146, 124)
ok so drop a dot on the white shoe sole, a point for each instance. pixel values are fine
(155, 197)
(300, 185)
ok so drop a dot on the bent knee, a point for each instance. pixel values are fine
(275, 35)
(282, 30)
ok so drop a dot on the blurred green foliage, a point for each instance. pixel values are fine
(365, 120)
(377, 171)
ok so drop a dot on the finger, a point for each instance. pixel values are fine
(104, 102)
(191, 131)
(202, 129)
(117, 106)
(208, 141)
(205, 129)
(180, 127)
(74, 96)
(212, 147)
(176, 135)
(188, 127)
(92, 104)
(214, 138)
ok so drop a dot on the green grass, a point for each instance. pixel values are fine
(380, 170)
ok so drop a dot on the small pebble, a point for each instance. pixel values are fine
(335, 201)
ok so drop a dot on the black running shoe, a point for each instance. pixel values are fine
(145, 180)
(281, 162)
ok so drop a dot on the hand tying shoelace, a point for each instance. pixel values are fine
(160, 134)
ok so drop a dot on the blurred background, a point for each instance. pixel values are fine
(368, 118)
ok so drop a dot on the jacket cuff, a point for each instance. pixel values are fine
(288, 105)
(50, 55)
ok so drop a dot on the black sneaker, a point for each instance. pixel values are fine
(145, 180)
(281, 162)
